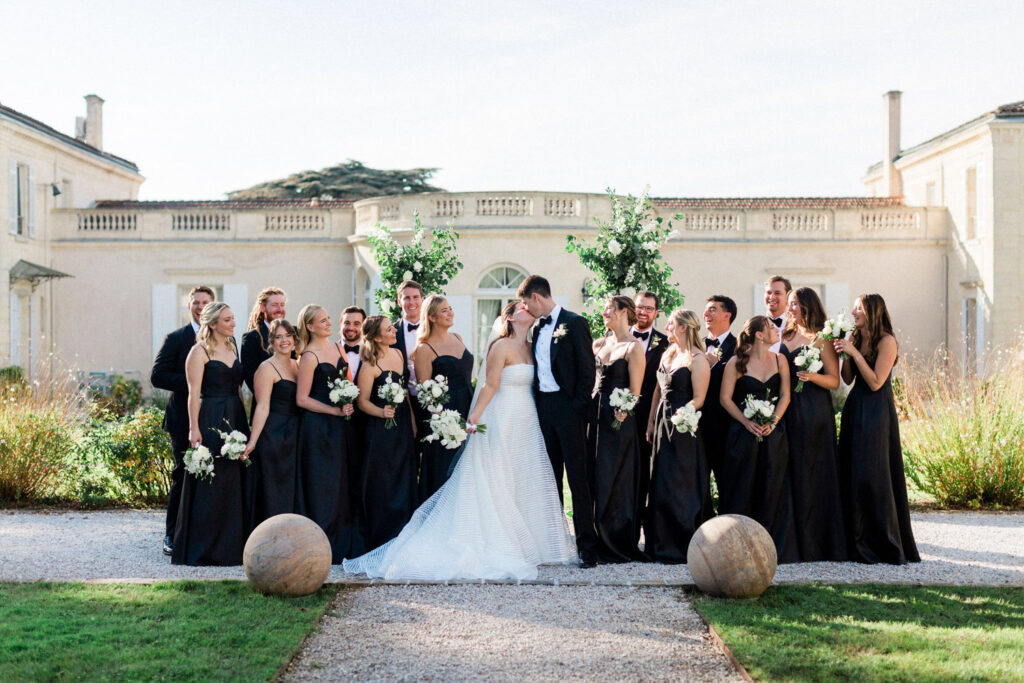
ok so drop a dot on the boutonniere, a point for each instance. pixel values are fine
(559, 331)
(655, 341)
(718, 352)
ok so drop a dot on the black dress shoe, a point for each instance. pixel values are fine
(168, 545)
(587, 563)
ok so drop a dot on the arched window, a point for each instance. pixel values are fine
(495, 289)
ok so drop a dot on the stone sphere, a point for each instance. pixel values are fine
(287, 555)
(732, 556)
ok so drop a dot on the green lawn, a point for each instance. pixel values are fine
(175, 631)
(874, 633)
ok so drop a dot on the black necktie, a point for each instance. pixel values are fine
(546, 320)
(712, 342)
(776, 321)
(354, 348)
(642, 336)
(413, 326)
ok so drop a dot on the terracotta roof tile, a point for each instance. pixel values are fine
(223, 204)
(740, 203)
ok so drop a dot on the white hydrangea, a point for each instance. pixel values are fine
(614, 247)
(417, 266)
(407, 275)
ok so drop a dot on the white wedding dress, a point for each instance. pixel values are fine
(498, 516)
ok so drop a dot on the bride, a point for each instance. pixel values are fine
(498, 516)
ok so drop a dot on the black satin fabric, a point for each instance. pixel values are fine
(326, 491)
(813, 470)
(213, 520)
(871, 477)
(754, 474)
(615, 470)
(271, 480)
(681, 478)
(436, 459)
(389, 471)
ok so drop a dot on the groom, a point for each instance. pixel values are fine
(562, 383)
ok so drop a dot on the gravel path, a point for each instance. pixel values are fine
(957, 548)
(506, 633)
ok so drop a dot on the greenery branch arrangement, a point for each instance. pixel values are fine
(432, 263)
(626, 257)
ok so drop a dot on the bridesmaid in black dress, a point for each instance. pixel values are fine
(681, 478)
(813, 471)
(389, 462)
(213, 521)
(441, 352)
(271, 481)
(614, 452)
(754, 473)
(870, 456)
(325, 438)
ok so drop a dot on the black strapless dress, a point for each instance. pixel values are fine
(213, 519)
(325, 488)
(271, 480)
(389, 470)
(436, 459)
(754, 474)
(615, 471)
(813, 471)
(871, 477)
(680, 479)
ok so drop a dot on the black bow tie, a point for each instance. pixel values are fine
(353, 348)
(642, 336)
(412, 327)
(712, 342)
(541, 322)
(776, 321)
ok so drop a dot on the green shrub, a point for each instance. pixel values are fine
(135, 451)
(120, 397)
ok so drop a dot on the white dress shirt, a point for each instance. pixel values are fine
(721, 340)
(195, 326)
(545, 377)
(785, 319)
(353, 361)
(410, 346)
(650, 335)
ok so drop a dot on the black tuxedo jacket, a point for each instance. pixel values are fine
(659, 342)
(169, 373)
(400, 340)
(572, 360)
(712, 403)
(254, 345)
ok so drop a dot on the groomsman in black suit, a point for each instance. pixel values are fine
(655, 344)
(351, 333)
(719, 314)
(270, 305)
(410, 298)
(562, 384)
(776, 301)
(169, 373)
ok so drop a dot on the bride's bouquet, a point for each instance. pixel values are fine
(392, 393)
(761, 411)
(450, 428)
(839, 327)
(343, 393)
(623, 401)
(686, 419)
(433, 394)
(807, 359)
(199, 463)
(233, 446)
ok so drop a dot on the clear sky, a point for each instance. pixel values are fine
(694, 98)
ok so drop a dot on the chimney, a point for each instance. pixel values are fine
(94, 121)
(892, 181)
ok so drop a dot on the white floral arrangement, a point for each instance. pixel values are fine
(807, 359)
(624, 401)
(760, 410)
(433, 394)
(686, 419)
(716, 351)
(449, 427)
(233, 446)
(392, 393)
(343, 393)
(559, 331)
(199, 463)
(838, 327)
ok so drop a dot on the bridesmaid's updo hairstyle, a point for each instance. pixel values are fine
(306, 317)
(687, 321)
(811, 310)
(371, 350)
(276, 325)
(748, 336)
(877, 324)
(507, 329)
(624, 303)
(208, 318)
(430, 305)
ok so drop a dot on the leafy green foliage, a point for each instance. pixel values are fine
(350, 180)
(433, 266)
(35, 442)
(626, 257)
(136, 451)
(120, 397)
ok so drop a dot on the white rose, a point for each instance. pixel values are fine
(435, 391)
(614, 247)
(417, 266)
(386, 305)
(407, 275)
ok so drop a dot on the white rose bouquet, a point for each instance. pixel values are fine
(761, 411)
(199, 463)
(433, 394)
(623, 401)
(392, 393)
(233, 446)
(343, 392)
(807, 359)
(686, 419)
(450, 428)
(839, 327)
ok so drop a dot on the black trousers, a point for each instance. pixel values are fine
(179, 444)
(564, 428)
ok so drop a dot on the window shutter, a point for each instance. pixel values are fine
(12, 196)
(31, 202)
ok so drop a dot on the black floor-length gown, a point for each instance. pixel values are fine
(680, 477)
(754, 474)
(213, 518)
(271, 480)
(871, 477)
(389, 470)
(813, 470)
(615, 470)
(326, 492)
(436, 459)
